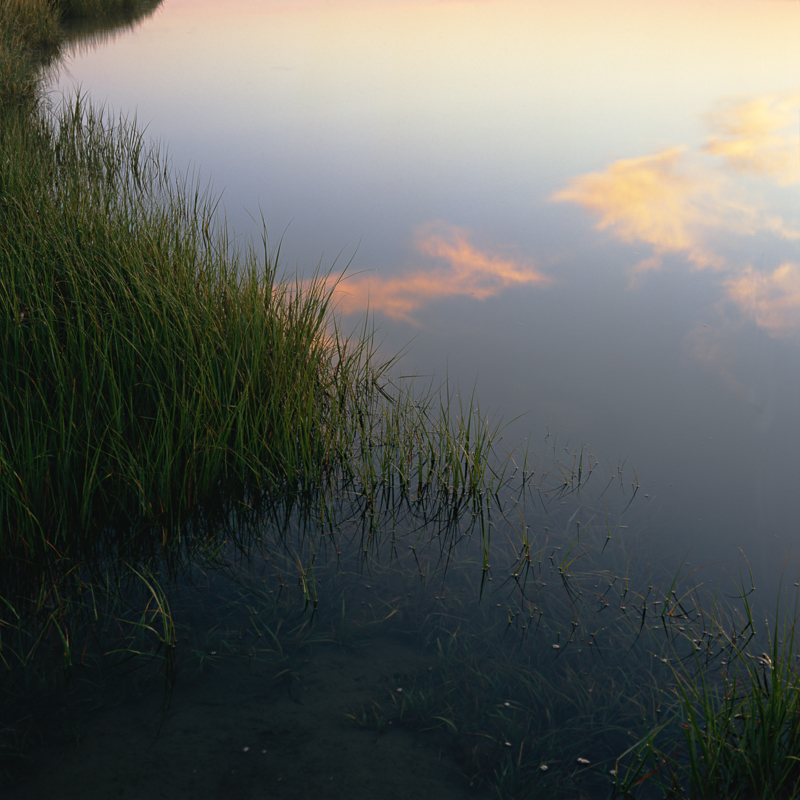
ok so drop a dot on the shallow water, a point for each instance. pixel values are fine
(401, 682)
(589, 213)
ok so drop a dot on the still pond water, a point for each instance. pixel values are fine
(587, 212)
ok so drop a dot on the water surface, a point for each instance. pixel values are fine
(589, 213)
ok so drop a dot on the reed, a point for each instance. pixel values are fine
(147, 359)
(158, 378)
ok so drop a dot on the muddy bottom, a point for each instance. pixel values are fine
(239, 731)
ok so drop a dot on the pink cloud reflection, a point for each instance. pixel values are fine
(456, 268)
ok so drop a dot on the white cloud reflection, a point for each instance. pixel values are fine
(771, 299)
(655, 200)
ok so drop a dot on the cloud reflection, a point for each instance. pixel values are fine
(759, 136)
(652, 199)
(455, 267)
(772, 299)
(679, 202)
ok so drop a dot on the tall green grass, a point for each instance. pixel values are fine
(159, 378)
(153, 368)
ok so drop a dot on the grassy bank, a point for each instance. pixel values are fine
(29, 36)
(147, 360)
(32, 33)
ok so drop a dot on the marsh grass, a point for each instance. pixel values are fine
(732, 727)
(148, 360)
(29, 35)
(172, 404)
(166, 397)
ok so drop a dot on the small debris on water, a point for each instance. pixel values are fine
(543, 767)
(506, 704)
(584, 761)
(245, 749)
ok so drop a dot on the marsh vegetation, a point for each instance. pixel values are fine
(202, 472)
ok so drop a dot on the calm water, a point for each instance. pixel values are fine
(589, 212)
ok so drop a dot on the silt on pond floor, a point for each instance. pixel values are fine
(238, 732)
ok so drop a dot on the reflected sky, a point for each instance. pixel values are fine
(589, 212)
(450, 266)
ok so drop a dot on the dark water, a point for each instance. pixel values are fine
(417, 671)
(589, 213)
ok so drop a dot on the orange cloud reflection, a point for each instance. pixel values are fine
(680, 202)
(458, 268)
(653, 199)
(759, 136)
(773, 299)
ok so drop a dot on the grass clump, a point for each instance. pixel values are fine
(145, 358)
(157, 377)
(153, 368)
(733, 729)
